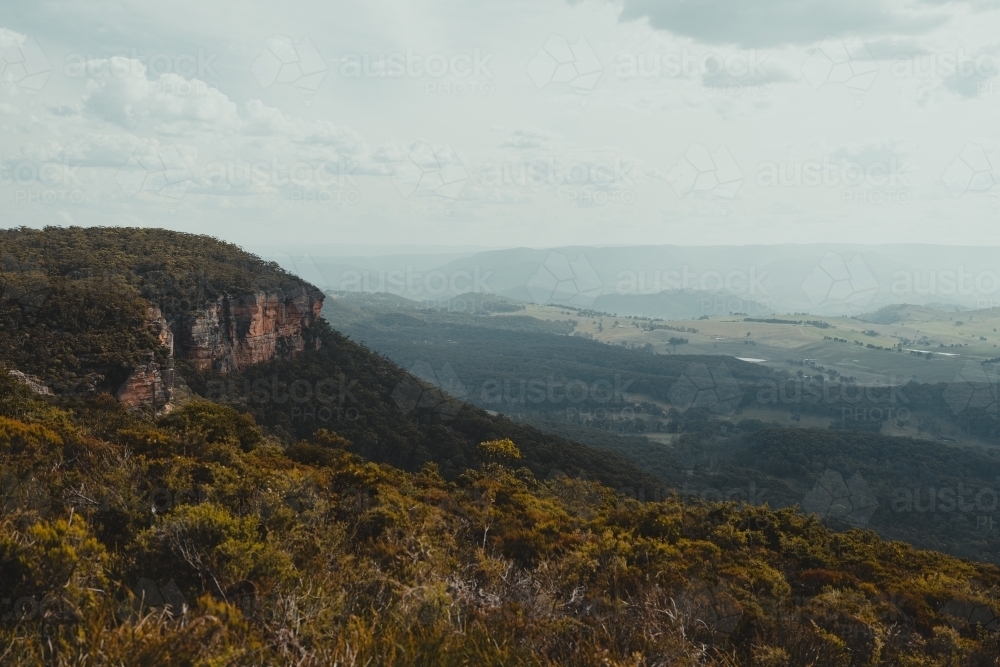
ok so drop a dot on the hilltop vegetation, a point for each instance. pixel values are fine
(199, 539)
(170, 269)
(73, 301)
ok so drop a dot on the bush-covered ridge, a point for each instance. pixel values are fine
(172, 269)
(74, 301)
(197, 539)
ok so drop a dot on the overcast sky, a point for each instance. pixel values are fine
(513, 123)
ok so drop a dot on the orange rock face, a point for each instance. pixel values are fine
(151, 383)
(235, 332)
(227, 335)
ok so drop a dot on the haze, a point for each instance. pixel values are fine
(510, 124)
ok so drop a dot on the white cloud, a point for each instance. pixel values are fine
(127, 97)
(769, 23)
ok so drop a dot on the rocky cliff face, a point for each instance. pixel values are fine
(227, 335)
(151, 382)
(235, 332)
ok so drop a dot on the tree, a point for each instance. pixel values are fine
(674, 342)
(499, 451)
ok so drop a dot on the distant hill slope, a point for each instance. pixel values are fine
(707, 280)
(490, 353)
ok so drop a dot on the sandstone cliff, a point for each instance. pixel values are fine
(235, 332)
(151, 383)
(226, 335)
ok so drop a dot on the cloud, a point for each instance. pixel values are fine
(90, 150)
(770, 72)
(527, 138)
(64, 109)
(882, 152)
(894, 48)
(100, 150)
(122, 94)
(769, 23)
(973, 75)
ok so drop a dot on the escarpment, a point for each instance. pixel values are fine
(85, 311)
(151, 383)
(225, 335)
(234, 332)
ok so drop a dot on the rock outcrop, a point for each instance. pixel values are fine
(235, 332)
(151, 383)
(33, 383)
(227, 335)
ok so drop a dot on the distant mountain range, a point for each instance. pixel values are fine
(674, 282)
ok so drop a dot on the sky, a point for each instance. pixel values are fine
(488, 124)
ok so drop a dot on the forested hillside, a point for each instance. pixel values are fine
(196, 538)
(327, 507)
(74, 304)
